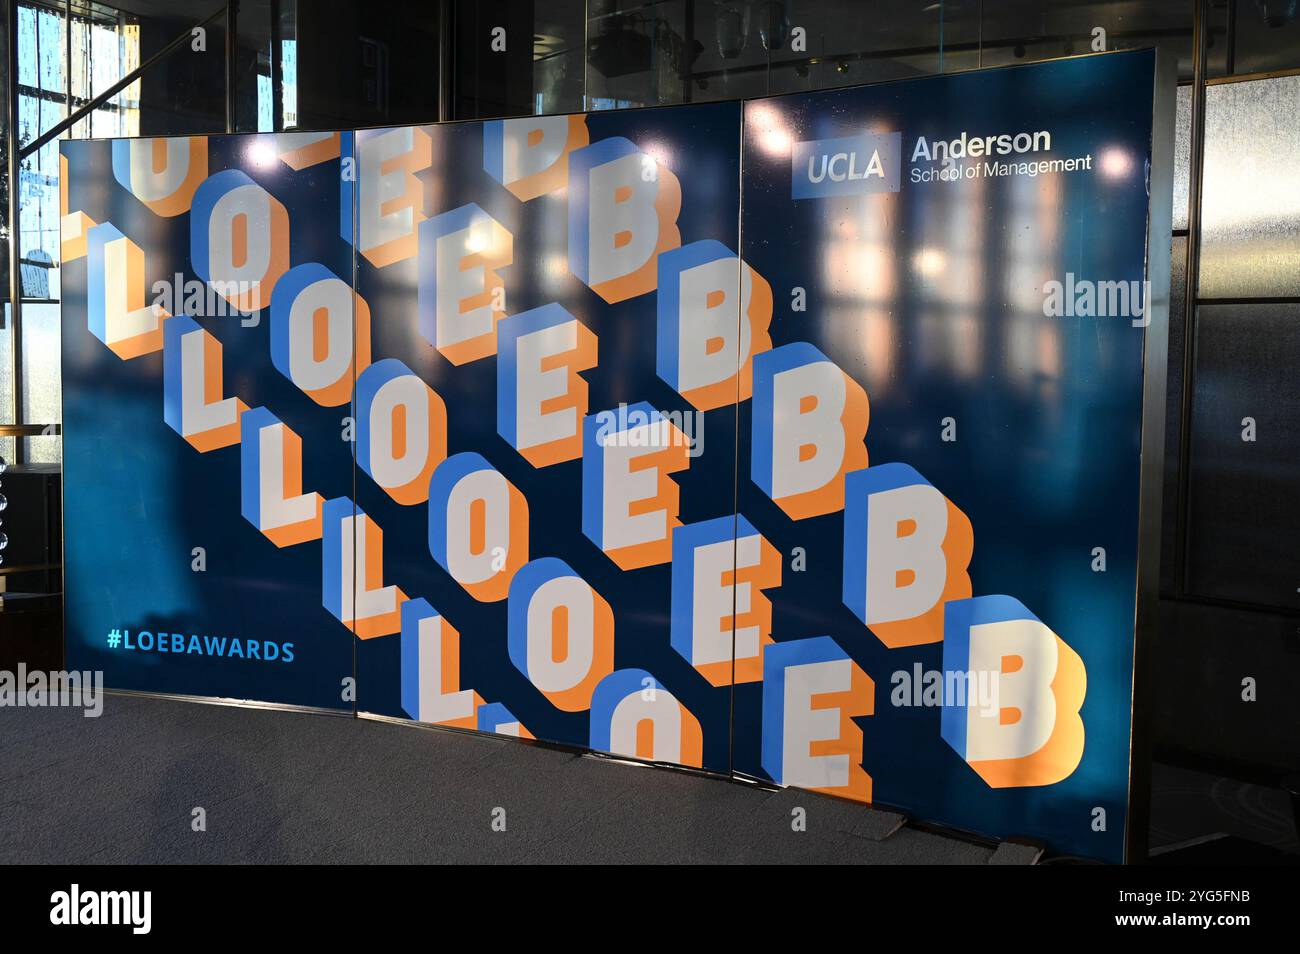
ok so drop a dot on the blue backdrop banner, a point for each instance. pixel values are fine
(799, 439)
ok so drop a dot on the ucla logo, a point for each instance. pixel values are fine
(852, 165)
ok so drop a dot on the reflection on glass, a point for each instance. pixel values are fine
(1242, 521)
(42, 103)
(265, 104)
(1169, 563)
(41, 391)
(558, 56)
(105, 47)
(860, 269)
(947, 267)
(1182, 154)
(1250, 202)
(1031, 242)
(642, 53)
(289, 79)
(1021, 31)
(6, 372)
(1266, 35)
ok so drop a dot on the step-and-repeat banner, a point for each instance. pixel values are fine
(799, 439)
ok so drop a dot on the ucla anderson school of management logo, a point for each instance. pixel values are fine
(850, 165)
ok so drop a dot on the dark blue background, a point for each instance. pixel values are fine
(1047, 457)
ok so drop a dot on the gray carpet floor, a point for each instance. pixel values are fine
(291, 787)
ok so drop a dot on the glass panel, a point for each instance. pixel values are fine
(266, 92)
(29, 560)
(1250, 205)
(43, 449)
(289, 63)
(182, 93)
(1182, 154)
(4, 193)
(1217, 53)
(6, 370)
(254, 104)
(1173, 414)
(266, 65)
(1267, 35)
(738, 50)
(645, 54)
(41, 392)
(558, 56)
(186, 91)
(660, 52)
(846, 44)
(42, 103)
(355, 68)
(105, 47)
(1245, 455)
(1024, 30)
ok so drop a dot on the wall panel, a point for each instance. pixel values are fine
(916, 332)
(523, 427)
(583, 602)
(1250, 195)
(193, 544)
(1245, 440)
